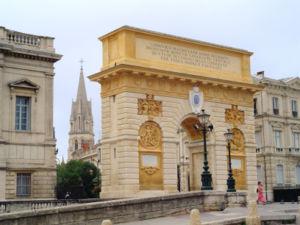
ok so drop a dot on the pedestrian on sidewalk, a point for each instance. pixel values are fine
(260, 193)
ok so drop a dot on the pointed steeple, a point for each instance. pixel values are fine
(81, 91)
(81, 135)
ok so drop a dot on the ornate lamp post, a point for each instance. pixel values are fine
(230, 180)
(205, 127)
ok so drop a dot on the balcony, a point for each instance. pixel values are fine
(294, 151)
(295, 114)
(279, 150)
(276, 111)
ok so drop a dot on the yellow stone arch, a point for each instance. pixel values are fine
(188, 125)
(150, 156)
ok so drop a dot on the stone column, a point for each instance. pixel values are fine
(49, 106)
(252, 217)
(2, 151)
(1, 94)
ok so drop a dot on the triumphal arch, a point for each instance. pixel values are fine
(149, 142)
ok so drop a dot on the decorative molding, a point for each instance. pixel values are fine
(149, 106)
(276, 124)
(238, 141)
(234, 116)
(24, 84)
(150, 170)
(163, 85)
(150, 136)
(295, 127)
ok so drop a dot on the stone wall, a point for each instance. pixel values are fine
(126, 210)
(120, 145)
(26, 70)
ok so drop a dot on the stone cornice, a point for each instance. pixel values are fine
(11, 50)
(192, 78)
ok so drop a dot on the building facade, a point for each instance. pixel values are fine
(148, 134)
(27, 141)
(81, 135)
(277, 131)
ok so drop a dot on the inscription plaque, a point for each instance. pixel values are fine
(176, 54)
(150, 160)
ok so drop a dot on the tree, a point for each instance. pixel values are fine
(79, 179)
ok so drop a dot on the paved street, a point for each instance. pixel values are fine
(229, 213)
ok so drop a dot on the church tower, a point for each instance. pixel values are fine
(81, 135)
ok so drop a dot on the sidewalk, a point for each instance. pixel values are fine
(274, 209)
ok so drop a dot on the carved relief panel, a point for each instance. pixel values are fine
(149, 106)
(150, 156)
(238, 159)
(234, 115)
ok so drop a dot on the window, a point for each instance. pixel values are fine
(298, 174)
(275, 103)
(296, 140)
(258, 139)
(115, 153)
(259, 173)
(22, 113)
(23, 184)
(279, 174)
(255, 106)
(76, 144)
(294, 108)
(277, 135)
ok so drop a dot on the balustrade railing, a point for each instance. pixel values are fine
(25, 39)
(22, 205)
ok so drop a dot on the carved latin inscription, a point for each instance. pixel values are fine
(178, 54)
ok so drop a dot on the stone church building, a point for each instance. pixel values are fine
(27, 141)
(149, 141)
(81, 135)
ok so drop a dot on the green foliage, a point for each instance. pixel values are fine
(79, 179)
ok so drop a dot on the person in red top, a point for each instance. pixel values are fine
(260, 193)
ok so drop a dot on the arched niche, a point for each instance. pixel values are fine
(150, 156)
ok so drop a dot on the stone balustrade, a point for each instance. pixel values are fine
(25, 205)
(21, 38)
(125, 210)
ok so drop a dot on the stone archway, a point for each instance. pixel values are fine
(194, 167)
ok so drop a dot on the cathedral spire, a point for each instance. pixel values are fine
(81, 91)
(81, 135)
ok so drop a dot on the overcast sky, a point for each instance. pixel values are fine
(269, 28)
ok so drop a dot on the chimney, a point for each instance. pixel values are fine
(260, 74)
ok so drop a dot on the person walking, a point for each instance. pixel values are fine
(260, 193)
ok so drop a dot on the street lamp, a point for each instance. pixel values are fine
(230, 180)
(205, 126)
